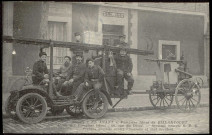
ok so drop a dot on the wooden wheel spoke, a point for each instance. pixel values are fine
(154, 99)
(27, 102)
(36, 114)
(38, 105)
(168, 99)
(35, 102)
(194, 99)
(183, 102)
(163, 103)
(160, 102)
(186, 104)
(31, 99)
(27, 113)
(99, 108)
(181, 99)
(166, 102)
(182, 91)
(192, 102)
(25, 106)
(157, 102)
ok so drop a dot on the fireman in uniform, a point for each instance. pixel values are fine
(93, 79)
(77, 52)
(62, 74)
(124, 69)
(76, 74)
(122, 42)
(40, 70)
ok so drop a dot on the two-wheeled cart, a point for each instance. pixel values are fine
(172, 80)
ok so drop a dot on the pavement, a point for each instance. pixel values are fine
(170, 121)
(134, 102)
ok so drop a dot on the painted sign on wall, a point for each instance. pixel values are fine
(113, 14)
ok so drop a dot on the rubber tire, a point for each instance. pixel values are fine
(104, 109)
(7, 109)
(43, 114)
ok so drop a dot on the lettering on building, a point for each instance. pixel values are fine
(113, 14)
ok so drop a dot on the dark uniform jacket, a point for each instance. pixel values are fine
(124, 63)
(39, 69)
(77, 72)
(96, 72)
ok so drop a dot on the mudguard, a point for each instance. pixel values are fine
(32, 87)
(35, 89)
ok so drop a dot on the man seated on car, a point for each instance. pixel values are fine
(124, 68)
(76, 74)
(93, 79)
(40, 71)
(63, 74)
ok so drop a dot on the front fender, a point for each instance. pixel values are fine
(32, 87)
(35, 89)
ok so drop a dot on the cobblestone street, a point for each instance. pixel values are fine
(150, 121)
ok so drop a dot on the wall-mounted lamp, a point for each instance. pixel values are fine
(14, 52)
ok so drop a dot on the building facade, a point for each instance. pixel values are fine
(182, 28)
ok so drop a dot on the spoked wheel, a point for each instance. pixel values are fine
(74, 110)
(57, 110)
(31, 108)
(187, 95)
(92, 108)
(161, 100)
(10, 106)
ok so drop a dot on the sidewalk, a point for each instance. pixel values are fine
(134, 102)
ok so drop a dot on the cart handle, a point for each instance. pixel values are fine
(178, 70)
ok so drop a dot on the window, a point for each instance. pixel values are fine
(57, 31)
(111, 33)
(169, 50)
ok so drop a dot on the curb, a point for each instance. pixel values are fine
(146, 108)
(4, 115)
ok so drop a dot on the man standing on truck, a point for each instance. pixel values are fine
(124, 68)
(122, 42)
(77, 51)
